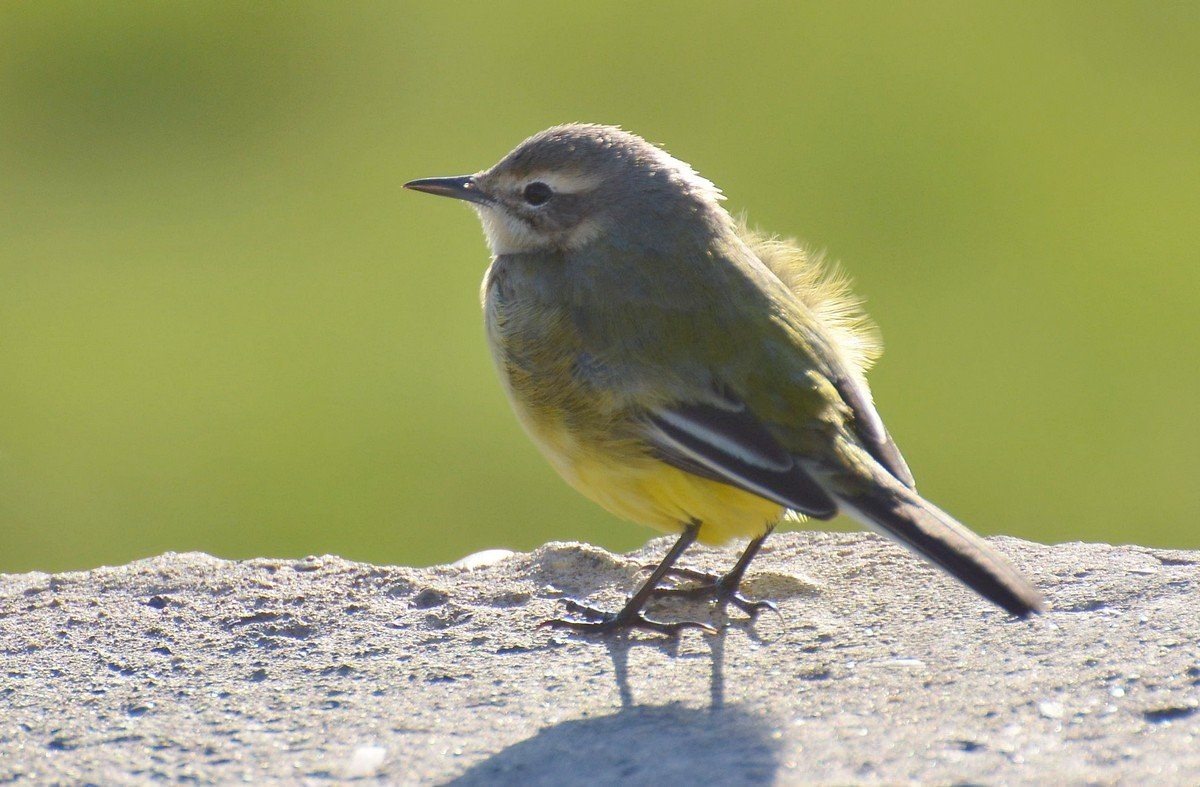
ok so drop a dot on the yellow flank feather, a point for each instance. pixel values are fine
(658, 495)
(653, 493)
(619, 476)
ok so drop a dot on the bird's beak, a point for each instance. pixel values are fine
(460, 187)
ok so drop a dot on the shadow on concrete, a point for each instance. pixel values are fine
(643, 744)
(651, 745)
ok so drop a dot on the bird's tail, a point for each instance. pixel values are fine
(887, 506)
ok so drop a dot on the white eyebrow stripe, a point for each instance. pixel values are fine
(566, 182)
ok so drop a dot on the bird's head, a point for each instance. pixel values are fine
(569, 185)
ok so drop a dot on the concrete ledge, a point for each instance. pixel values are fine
(186, 667)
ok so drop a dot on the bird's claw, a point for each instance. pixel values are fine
(721, 589)
(600, 622)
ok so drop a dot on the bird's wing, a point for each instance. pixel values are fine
(723, 441)
(869, 427)
(827, 297)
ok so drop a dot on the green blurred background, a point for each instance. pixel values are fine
(223, 326)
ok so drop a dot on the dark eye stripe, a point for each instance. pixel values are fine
(537, 193)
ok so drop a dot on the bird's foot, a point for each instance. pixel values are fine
(722, 589)
(597, 621)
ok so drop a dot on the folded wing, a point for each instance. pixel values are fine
(723, 441)
(870, 429)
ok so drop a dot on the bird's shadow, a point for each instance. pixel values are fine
(643, 744)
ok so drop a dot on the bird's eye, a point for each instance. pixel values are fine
(537, 193)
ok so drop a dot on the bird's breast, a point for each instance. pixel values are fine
(536, 352)
(565, 399)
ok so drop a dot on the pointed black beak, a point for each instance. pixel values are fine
(460, 187)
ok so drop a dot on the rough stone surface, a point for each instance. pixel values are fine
(190, 668)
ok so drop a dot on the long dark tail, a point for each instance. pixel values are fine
(895, 510)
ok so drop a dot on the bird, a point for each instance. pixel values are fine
(687, 372)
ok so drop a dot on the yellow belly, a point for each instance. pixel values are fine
(653, 493)
(665, 498)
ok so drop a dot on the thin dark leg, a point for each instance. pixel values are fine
(723, 589)
(631, 616)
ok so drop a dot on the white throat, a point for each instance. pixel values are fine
(506, 234)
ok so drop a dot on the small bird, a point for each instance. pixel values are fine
(686, 372)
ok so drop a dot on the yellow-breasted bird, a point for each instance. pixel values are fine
(686, 373)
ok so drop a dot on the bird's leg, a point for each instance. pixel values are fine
(631, 616)
(723, 589)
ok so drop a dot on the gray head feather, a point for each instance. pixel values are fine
(570, 185)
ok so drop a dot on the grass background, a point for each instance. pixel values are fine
(224, 327)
